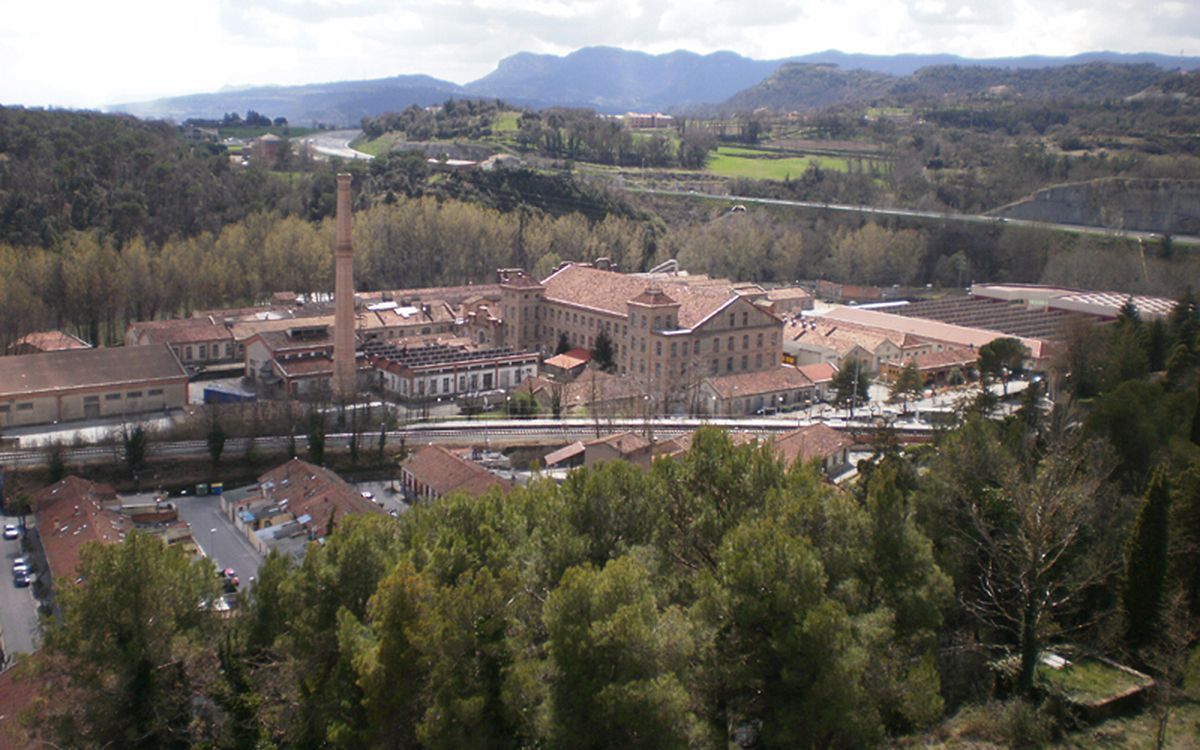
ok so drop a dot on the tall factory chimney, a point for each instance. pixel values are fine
(345, 371)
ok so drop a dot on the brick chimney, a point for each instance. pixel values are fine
(345, 372)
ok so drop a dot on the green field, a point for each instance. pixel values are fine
(247, 133)
(506, 122)
(733, 161)
(376, 146)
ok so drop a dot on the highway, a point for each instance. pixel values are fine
(983, 219)
(335, 143)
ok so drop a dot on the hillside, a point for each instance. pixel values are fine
(339, 103)
(614, 80)
(807, 87)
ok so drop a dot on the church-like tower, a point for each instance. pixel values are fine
(345, 371)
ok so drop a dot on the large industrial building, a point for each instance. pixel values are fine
(74, 384)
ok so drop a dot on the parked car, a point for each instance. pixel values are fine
(11, 531)
(21, 566)
(21, 580)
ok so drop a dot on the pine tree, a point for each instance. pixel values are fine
(1146, 562)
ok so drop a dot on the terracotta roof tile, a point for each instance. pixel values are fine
(71, 513)
(444, 471)
(316, 492)
(88, 368)
(610, 291)
(816, 441)
(782, 378)
(50, 341)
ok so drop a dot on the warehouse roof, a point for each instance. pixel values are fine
(47, 372)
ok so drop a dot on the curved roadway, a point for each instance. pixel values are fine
(936, 215)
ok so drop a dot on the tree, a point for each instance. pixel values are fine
(316, 436)
(908, 384)
(852, 383)
(216, 440)
(617, 661)
(564, 344)
(1000, 357)
(135, 449)
(1034, 532)
(1146, 562)
(603, 352)
(134, 644)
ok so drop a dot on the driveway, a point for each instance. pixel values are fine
(219, 538)
(18, 609)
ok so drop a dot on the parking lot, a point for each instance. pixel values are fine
(19, 626)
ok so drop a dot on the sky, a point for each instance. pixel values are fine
(84, 53)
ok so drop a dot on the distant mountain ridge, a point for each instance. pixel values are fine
(607, 79)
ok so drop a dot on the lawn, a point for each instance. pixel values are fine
(732, 161)
(376, 146)
(1089, 680)
(506, 122)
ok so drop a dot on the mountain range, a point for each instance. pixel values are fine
(612, 80)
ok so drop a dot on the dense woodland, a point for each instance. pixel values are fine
(719, 597)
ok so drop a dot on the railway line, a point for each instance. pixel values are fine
(493, 433)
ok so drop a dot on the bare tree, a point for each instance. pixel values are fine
(1034, 534)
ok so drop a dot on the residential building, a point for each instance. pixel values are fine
(782, 388)
(821, 375)
(594, 392)
(937, 368)
(74, 384)
(621, 446)
(295, 501)
(71, 513)
(433, 472)
(199, 343)
(815, 442)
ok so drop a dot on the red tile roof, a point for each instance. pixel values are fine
(609, 291)
(50, 341)
(774, 380)
(444, 471)
(816, 441)
(624, 443)
(823, 372)
(314, 491)
(71, 513)
(28, 374)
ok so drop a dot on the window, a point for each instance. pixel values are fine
(730, 342)
(3, 408)
(433, 386)
(91, 399)
(716, 345)
(760, 340)
(758, 360)
(229, 350)
(27, 406)
(658, 348)
(203, 351)
(745, 363)
(445, 385)
(672, 348)
(729, 364)
(746, 341)
(745, 318)
(657, 369)
(696, 349)
(713, 367)
(732, 322)
(112, 397)
(133, 394)
(657, 322)
(187, 353)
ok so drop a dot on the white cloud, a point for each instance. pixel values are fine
(84, 53)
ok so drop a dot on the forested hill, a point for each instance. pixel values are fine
(608, 79)
(62, 171)
(338, 103)
(806, 87)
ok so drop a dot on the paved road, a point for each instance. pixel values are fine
(335, 143)
(937, 215)
(218, 537)
(18, 608)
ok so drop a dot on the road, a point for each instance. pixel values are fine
(219, 538)
(18, 609)
(936, 215)
(335, 143)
